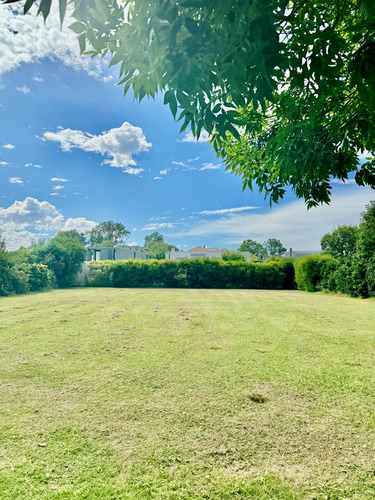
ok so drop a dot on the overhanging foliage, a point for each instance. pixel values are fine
(285, 88)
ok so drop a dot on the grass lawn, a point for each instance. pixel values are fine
(186, 394)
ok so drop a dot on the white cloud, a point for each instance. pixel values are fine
(179, 163)
(4, 163)
(15, 180)
(57, 187)
(34, 165)
(53, 194)
(204, 137)
(161, 225)
(118, 145)
(9, 146)
(291, 223)
(38, 79)
(24, 89)
(223, 211)
(157, 178)
(132, 170)
(210, 166)
(26, 39)
(31, 219)
(164, 172)
(30, 213)
(80, 224)
(59, 179)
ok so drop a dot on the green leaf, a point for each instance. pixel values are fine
(28, 5)
(62, 9)
(82, 42)
(77, 27)
(44, 8)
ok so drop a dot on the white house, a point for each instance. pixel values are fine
(117, 253)
(200, 252)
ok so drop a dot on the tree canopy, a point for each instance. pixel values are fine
(286, 89)
(254, 248)
(108, 233)
(155, 245)
(274, 247)
(341, 242)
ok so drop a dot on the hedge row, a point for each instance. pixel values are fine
(192, 273)
(352, 276)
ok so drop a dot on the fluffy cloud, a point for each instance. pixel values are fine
(59, 179)
(4, 163)
(31, 212)
(204, 137)
(15, 180)
(31, 219)
(26, 38)
(58, 187)
(9, 146)
(292, 223)
(164, 172)
(118, 145)
(23, 90)
(80, 224)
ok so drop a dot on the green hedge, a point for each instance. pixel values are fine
(315, 272)
(192, 273)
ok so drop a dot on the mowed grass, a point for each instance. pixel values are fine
(186, 394)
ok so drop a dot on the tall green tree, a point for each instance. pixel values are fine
(254, 248)
(285, 88)
(341, 242)
(274, 247)
(108, 232)
(156, 246)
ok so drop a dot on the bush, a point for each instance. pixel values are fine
(39, 277)
(312, 272)
(192, 273)
(12, 280)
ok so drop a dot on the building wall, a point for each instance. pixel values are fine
(117, 253)
(175, 255)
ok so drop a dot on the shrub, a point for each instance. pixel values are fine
(39, 277)
(311, 272)
(12, 280)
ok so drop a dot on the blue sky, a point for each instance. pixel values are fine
(75, 152)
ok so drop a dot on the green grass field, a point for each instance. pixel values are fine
(186, 394)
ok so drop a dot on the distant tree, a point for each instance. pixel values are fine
(341, 242)
(72, 233)
(233, 256)
(109, 232)
(154, 237)
(156, 246)
(253, 247)
(274, 247)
